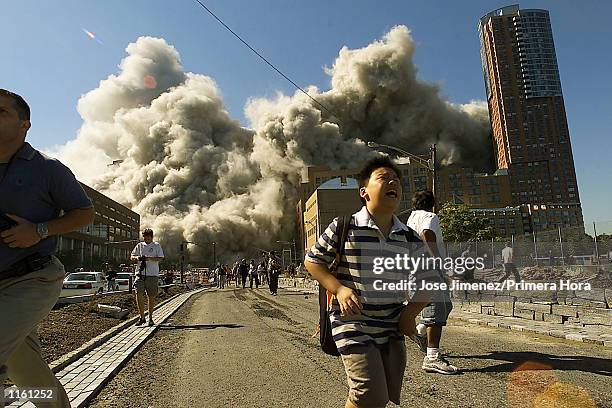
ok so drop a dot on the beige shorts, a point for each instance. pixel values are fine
(375, 374)
(150, 284)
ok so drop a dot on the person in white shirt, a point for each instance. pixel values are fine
(434, 316)
(509, 267)
(149, 254)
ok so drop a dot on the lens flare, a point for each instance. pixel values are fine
(527, 382)
(91, 35)
(563, 395)
(150, 82)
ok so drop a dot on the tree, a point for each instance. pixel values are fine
(459, 224)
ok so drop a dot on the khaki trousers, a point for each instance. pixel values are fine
(24, 302)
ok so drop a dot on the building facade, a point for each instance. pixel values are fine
(526, 107)
(109, 238)
(335, 197)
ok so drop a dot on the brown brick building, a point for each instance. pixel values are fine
(530, 131)
(102, 240)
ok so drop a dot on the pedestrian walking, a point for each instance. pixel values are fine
(226, 275)
(39, 199)
(253, 277)
(261, 272)
(149, 254)
(274, 270)
(221, 276)
(368, 325)
(435, 315)
(235, 274)
(243, 270)
(111, 275)
(509, 267)
(265, 259)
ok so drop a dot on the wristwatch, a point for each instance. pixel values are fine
(42, 229)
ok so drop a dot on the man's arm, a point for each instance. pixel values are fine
(24, 234)
(429, 237)
(135, 255)
(71, 221)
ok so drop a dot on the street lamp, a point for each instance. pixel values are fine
(429, 164)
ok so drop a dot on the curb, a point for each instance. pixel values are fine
(68, 358)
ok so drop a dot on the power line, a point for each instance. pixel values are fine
(264, 58)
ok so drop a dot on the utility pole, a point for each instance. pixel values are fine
(535, 248)
(434, 172)
(214, 244)
(182, 251)
(561, 245)
(596, 246)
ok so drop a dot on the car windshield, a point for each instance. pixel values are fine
(90, 277)
(124, 275)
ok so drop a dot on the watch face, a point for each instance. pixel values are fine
(42, 230)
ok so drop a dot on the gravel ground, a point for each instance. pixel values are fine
(245, 348)
(68, 327)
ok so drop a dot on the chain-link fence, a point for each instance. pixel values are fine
(558, 247)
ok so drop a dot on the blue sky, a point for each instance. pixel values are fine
(48, 59)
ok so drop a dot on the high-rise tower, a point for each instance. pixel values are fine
(530, 131)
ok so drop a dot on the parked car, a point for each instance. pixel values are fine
(123, 280)
(83, 283)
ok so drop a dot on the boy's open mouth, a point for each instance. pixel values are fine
(391, 193)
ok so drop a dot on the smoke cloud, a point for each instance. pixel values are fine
(194, 173)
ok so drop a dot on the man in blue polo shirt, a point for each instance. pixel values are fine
(39, 199)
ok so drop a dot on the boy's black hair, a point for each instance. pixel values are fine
(147, 231)
(21, 106)
(423, 200)
(373, 164)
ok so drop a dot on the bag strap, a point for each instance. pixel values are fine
(342, 227)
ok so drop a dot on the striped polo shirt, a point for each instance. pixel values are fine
(379, 321)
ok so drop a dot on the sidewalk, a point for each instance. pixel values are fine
(84, 378)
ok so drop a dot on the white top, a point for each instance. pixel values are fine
(420, 220)
(149, 250)
(507, 255)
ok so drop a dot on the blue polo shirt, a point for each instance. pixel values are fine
(38, 188)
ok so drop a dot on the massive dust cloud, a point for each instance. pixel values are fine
(193, 173)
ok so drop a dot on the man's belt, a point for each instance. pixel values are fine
(27, 265)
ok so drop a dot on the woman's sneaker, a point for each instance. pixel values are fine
(141, 321)
(438, 365)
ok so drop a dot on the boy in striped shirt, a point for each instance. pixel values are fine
(369, 325)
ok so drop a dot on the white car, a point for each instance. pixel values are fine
(83, 283)
(123, 280)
